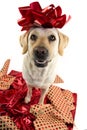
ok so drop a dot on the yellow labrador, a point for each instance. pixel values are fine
(41, 47)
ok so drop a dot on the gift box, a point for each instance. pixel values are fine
(57, 112)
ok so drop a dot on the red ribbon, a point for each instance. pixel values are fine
(48, 17)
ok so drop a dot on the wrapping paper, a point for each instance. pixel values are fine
(5, 79)
(7, 124)
(16, 115)
(57, 115)
(12, 103)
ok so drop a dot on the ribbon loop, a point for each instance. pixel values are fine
(35, 6)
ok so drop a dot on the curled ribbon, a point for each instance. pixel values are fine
(48, 17)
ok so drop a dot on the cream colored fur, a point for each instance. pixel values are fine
(41, 77)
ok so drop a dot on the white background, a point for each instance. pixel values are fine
(72, 66)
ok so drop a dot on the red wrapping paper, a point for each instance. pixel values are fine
(12, 103)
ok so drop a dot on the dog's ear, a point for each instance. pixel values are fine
(24, 42)
(63, 42)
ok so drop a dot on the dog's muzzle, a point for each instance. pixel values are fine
(40, 56)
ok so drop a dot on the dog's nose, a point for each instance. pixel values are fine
(41, 53)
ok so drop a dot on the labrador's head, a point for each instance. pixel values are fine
(43, 45)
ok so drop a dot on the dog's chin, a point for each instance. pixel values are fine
(39, 63)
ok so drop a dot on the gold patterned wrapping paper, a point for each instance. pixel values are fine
(6, 123)
(54, 116)
(5, 80)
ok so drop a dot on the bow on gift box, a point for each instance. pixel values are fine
(5, 80)
(48, 17)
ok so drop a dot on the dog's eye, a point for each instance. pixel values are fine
(52, 38)
(33, 37)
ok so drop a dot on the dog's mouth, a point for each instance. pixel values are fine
(41, 63)
(41, 56)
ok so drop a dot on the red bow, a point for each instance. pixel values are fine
(48, 17)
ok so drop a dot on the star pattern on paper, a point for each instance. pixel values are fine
(5, 79)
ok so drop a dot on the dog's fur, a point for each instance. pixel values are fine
(41, 76)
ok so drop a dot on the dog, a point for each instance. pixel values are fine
(41, 47)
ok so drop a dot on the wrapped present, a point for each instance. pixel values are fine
(57, 113)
